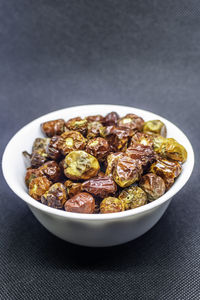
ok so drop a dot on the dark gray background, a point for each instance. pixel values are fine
(54, 54)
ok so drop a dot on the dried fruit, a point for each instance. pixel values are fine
(100, 186)
(80, 165)
(96, 118)
(51, 170)
(156, 127)
(170, 148)
(81, 203)
(111, 205)
(30, 174)
(131, 121)
(54, 127)
(53, 150)
(153, 185)
(73, 188)
(38, 186)
(133, 197)
(56, 196)
(98, 147)
(70, 141)
(111, 119)
(77, 124)
(93, 129)
(142, 138)
(111, 161)
(143, 153)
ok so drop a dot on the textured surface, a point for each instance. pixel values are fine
(55, 54)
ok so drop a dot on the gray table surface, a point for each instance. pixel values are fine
(54, 54)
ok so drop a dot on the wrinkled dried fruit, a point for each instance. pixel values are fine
(56, 196)
(73, 188)
(80, 165)
(158, 140)
(98, 147)
(38, 186)
(144, 153)
(127, 171)
(30, 174)
(77, 124)
(81, 203)
(170, 148)
(38, 159)
(111, 119)
(131, 121)
(142, 138)
(40, 145)
(155, 126)
(51, 170)
(166, 169)
(96, 118)
(70, 141)
(93, 129)
(100, 186)
(153, 185)
(133, 197)
(53, 150)
(111, 161)
(54, 127)
(111, 205)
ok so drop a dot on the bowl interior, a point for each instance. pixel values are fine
(14, 166)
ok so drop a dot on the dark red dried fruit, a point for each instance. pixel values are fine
(54, 127)
(98, 147)
(81, 203)
(111, 118)
(100, 186)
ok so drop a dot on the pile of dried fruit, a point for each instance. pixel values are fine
(102, 164)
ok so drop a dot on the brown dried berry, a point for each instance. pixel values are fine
(38, 159)
(93, 129)
(98, 147)
(133, 197)
(144, 153)
(111, 161)
(73, 188)
(96, 118)
(127, 171)
(131, 121)
(153, 185)
(54, 127)
(81, 203)
(38, 186)
(111, 119)
(142, 138)
(166, 169)
(111, 205)
(51, 170)
(30, 174)
(100, 186)
(56, 196)
(70, 141)
(77, 124)
(53, 150)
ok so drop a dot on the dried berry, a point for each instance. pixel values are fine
(133, 197)
(166, 169)
(131, 121)
(111, 205)
(156, 127)
(70, 141)
(54, 127)
(142, 138)
(53, 150)
(51, 170)
(38, 159)
(96, 118)
(93, 129)
(30, 174)
(100, 186)
(81, 203)
(38, 186)
(111, 119)
(73, 188)
(143, 153)
(98, 147)
(40, 145)
(80, 165)
(56, 196)
(77, 124)
(153, 185)
(127, 171)
(170, 148)
(111, 161)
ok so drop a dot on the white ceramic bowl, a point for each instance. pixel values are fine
(85, 229)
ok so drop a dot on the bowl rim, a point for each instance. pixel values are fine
(97, 217)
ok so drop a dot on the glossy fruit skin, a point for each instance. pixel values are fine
(38, 159)
(53, 150)
(131, 121)
(156, 127)
(111, 161)
(111, 205)
(98, 147)
(40, 145)
(56, 196)
(170, 148)
(31, 174)
(80, 165)
(93, 129)
(38, 186)
(95, 118)
(77, 124)
(133, 197)
(127, 171)
(111, 119)
(72, 188)
(158, 140)
(100, 186)
(153, 185)
(70, 141)
(117, 137)
(39, 152)
(142, 138)
(51, 170)
(54, 127)
(81, 203)
(167, 169)
(145, 154)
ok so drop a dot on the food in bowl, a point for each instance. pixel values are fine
(102, 164)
